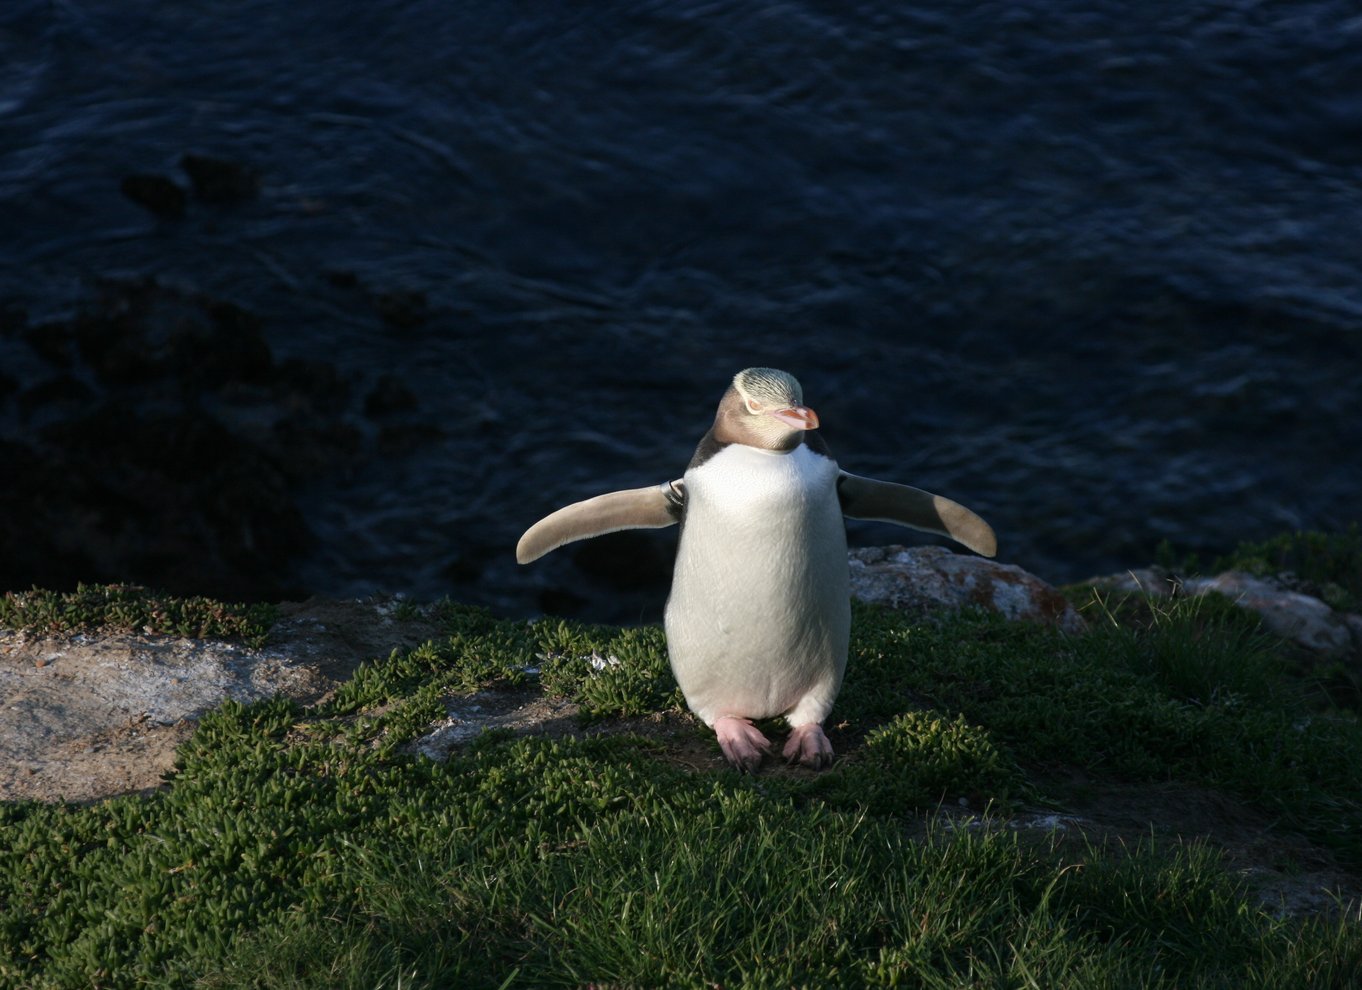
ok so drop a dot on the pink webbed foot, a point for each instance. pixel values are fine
(742, 742)
(808, 745)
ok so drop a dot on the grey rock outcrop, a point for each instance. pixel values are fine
(934, 578)
(1300, 618)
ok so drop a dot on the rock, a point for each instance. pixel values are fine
(561, 601)
(342, 279)
(174, 497)
(217, 180)
(620, 577)
(934, 578)
(468, 716)
(141, 331)
(402, 309)
(1300, 618)
(1354, 623)
(156, 439)
(389, 395)
(91, 715)
(13, 318)
(628, 559)
(1153, 581)
(155, 193)
(62, 393)
(1303, 619)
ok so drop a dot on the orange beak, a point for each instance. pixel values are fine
(798, 417)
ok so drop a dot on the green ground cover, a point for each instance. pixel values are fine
(130, 608)
(1328, 564)
(308, 848)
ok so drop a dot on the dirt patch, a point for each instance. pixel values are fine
(89, 716)
(523, 711)
(526, 711)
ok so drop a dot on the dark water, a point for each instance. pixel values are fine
(1094, 269)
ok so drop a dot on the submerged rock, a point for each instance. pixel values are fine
(155, 193)
(402, 309)
(934, 578)
(217, 180)
(156, 438)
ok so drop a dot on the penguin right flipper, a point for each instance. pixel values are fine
(637, 508)
(884, 501)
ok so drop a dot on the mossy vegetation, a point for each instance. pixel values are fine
(1327, 565)
(130, 608)
(299, 847)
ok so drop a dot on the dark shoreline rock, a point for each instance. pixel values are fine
(155, 193)
(218, 180)
(155, 438)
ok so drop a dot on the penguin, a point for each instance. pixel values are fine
(758, 621)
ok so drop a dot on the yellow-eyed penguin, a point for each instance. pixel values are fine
(759, 615)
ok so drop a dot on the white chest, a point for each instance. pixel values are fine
(775, 502)
(758, 615)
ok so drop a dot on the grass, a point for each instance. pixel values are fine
(306, 848)
(1328, 565)
(129, 608)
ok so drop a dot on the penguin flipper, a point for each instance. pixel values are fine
(637, 508)
(884, 501)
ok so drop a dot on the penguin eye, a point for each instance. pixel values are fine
(753, 407)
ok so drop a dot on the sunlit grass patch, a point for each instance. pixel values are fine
(919, 760)
(130, 608)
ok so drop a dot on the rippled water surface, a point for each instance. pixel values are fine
(1091, 268)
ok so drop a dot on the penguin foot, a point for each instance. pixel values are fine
(808, 745)
(742, 742)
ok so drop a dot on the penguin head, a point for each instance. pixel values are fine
(764, 408)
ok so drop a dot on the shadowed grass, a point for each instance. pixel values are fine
(532, 863)
(305, 848)
(1329, 564)
(1106, 703)
(727, 893)
(1203, 648)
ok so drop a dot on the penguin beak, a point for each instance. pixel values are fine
(797, 417)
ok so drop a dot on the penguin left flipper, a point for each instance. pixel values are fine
(884, 501)
(637, 508)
